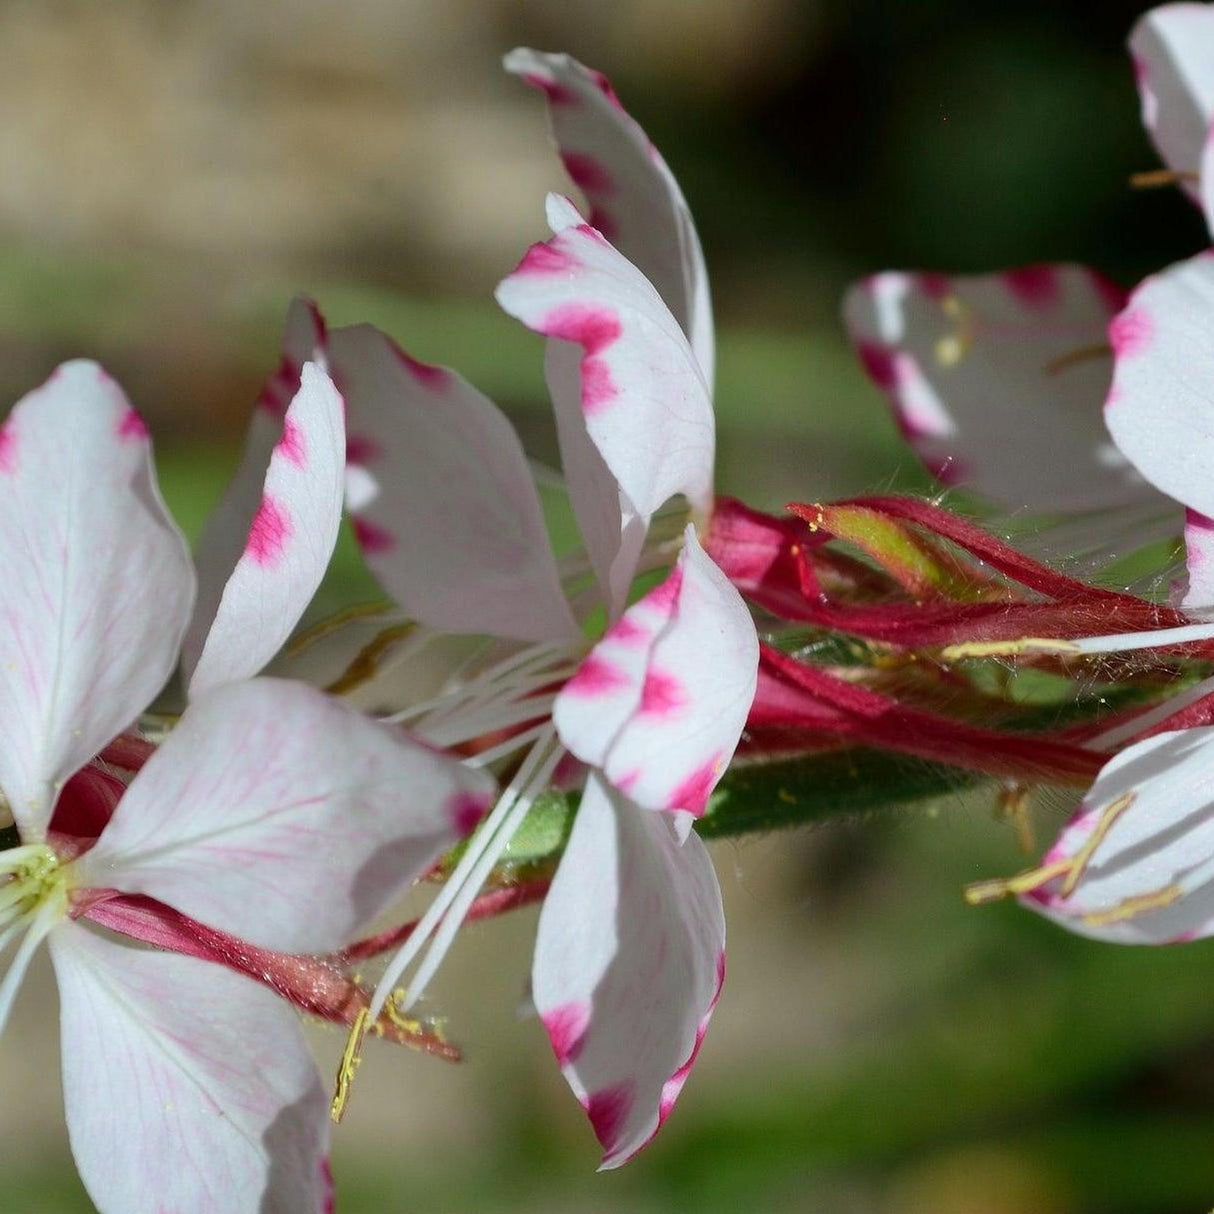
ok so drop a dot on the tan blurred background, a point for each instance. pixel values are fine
(171, 172)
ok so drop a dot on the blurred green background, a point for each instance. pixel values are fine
(172, 173)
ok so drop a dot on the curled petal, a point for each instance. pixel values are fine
(277, 814)
(96, 589)
(1172, 47)
(646, 403)
(629, 961)
(446, 510)
(660, 701)
(287, 541)
(997, 381)
(1196, 594)
(1136, 863)
(634, 199)
(1161, 408)
(186, 1087)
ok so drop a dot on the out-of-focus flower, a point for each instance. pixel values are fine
(270, 813)
(629, 957)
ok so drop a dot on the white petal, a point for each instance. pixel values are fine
(1159, 847)
(997, 381)
(629, 961)
(660, 702)
(634, 199)
(186, 1087)
(226, 534)
(1173, 51)
(449, 518)
(96, 587)
(278, 814)
(288, 541)
(647, 405)
(1161, 408)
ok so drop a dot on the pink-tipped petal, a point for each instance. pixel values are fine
(645, 401)
(997, 381)
(287, 545)
(1150, 878)
(628, 965)
(450, 514)
(186, 1086)
(278, 814)
(1172, 47)
(1161, 411)
(96, 586)
(634, 199)
(660, 702)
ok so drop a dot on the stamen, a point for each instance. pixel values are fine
(1136, 904)
(469, 874)
(952, 348)
(370, 659)
(980, 892)
(1001, 649)
(351, 1056)
(1074, 357)
(1154, 178)
(1083, 857)
(326, 627)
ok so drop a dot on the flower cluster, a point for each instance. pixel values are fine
(203, 847)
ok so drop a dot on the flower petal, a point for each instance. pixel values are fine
(186, 1087)
(1146, 828)
(448, 517)
(280, 815)
(287, 542)
(226, 533)
(1161, 407)
(647, 405)
(97, 584)
(660, 701)
(997, 381)
(629, 961)
(634, 199)
(1172, 47)
(1196, 593)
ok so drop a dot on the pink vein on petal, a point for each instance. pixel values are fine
(587, 172)
(556, 93)
(693, 793)
(132, 427)
(596, 677)
(1033, 286)
(566, 1027)
(370, 538)
(662, 694)
(608, 1110)
(8, 448)
(1130, 332)
(292, 446)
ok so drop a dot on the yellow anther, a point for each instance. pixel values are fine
(1007, 649)
(1084, 855)
(1153, 178)
(351, 1056)
(980, 892)
(1014, 803)
(1136, 904)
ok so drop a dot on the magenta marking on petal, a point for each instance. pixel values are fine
(269, 533)
(566, 1027)
(1130, 332)
(663, 694)
(370, 538)
(466, 811)
(1195, 522)
(280, 387)
(628, 781)
(605, 88)
(594, 329)
(879, 364)
(596, 677)
(603, 223)
(328, 1192)
(665, 596)
(1111, 294)
(544, 258)
(608, 1110)
(692, 795)
(361, 451)
(292, 446)
(8, 448)
(556, 93)
(674, 1085)
(935, 286)
(1033, 286)
(434, 378)
(132, 427)
(598, 388)
(628, 633)
(586, 172)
